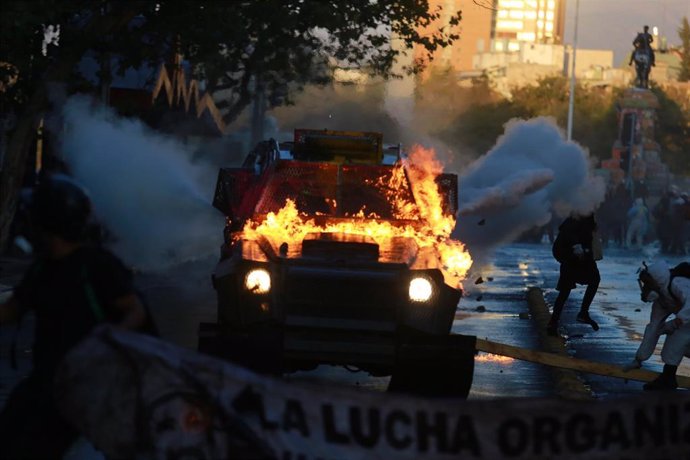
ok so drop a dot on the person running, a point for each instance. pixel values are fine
(573, 249)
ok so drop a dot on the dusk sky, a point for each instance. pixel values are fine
(613, 24)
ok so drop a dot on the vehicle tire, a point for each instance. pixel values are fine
(440, 367)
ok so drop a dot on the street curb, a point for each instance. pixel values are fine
(568, 384)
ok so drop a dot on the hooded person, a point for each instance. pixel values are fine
(669, 296)
(574, 249)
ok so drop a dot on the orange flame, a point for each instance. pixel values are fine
(489, 357)
(289, 226)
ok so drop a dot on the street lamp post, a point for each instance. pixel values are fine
(571, 102)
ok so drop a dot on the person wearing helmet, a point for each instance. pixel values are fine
(71, 286)
(669, 296)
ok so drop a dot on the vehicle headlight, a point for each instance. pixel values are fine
(258, 281)
(421, 289)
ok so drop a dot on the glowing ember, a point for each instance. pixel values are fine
(489, 357)
(425, 221)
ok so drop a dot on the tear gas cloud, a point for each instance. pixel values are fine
(531, 173)
(155, 200)
(146, 190)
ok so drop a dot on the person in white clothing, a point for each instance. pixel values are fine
(670, 296)
(638, 224)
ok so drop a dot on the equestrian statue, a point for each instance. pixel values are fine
(643, 57)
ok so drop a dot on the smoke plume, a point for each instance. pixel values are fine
(531, 173)
(155, 199)
(145, 188)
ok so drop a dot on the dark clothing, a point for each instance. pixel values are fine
(68, 296)
(576, 270)
(643, 40)
(57, 291)
(662, 215)
(577, 267)
(677, 226)
(577, 273)
(31, 427)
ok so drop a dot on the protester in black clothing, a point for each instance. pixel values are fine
(604, 216)
(677, 224)
(620, 203)
(71, 286)
(662, 217)
(573, 248)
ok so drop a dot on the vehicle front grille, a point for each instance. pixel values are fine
(333, 293)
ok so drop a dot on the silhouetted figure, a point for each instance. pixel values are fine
(640, 189)
(604, 216)
(573, 249)
(643, 57)
(677, 225)
(620, 203)
(638, 224)
(71, 286)
(662, 217)
(644, 41)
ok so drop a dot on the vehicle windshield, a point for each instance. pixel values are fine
(340, 190)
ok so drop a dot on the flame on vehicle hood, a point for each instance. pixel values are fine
(425, 221)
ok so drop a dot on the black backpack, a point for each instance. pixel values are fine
(682, 269)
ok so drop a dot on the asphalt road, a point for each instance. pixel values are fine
(496, 309)
(617, 308)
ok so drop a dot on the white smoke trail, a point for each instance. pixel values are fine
(530, 173)
(144, 186)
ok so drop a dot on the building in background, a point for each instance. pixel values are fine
(495, 26)
(474, 30)
(527, 21)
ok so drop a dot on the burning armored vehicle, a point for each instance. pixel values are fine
(333, 256)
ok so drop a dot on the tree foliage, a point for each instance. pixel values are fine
(594, 117)
(21, 36)
(440, 98)
(673, 130)
(684, 35)
(238, 46)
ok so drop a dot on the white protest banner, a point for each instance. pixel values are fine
(137, 395)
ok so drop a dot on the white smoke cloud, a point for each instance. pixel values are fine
(156, 201)
(144, 186)
(530, 173)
